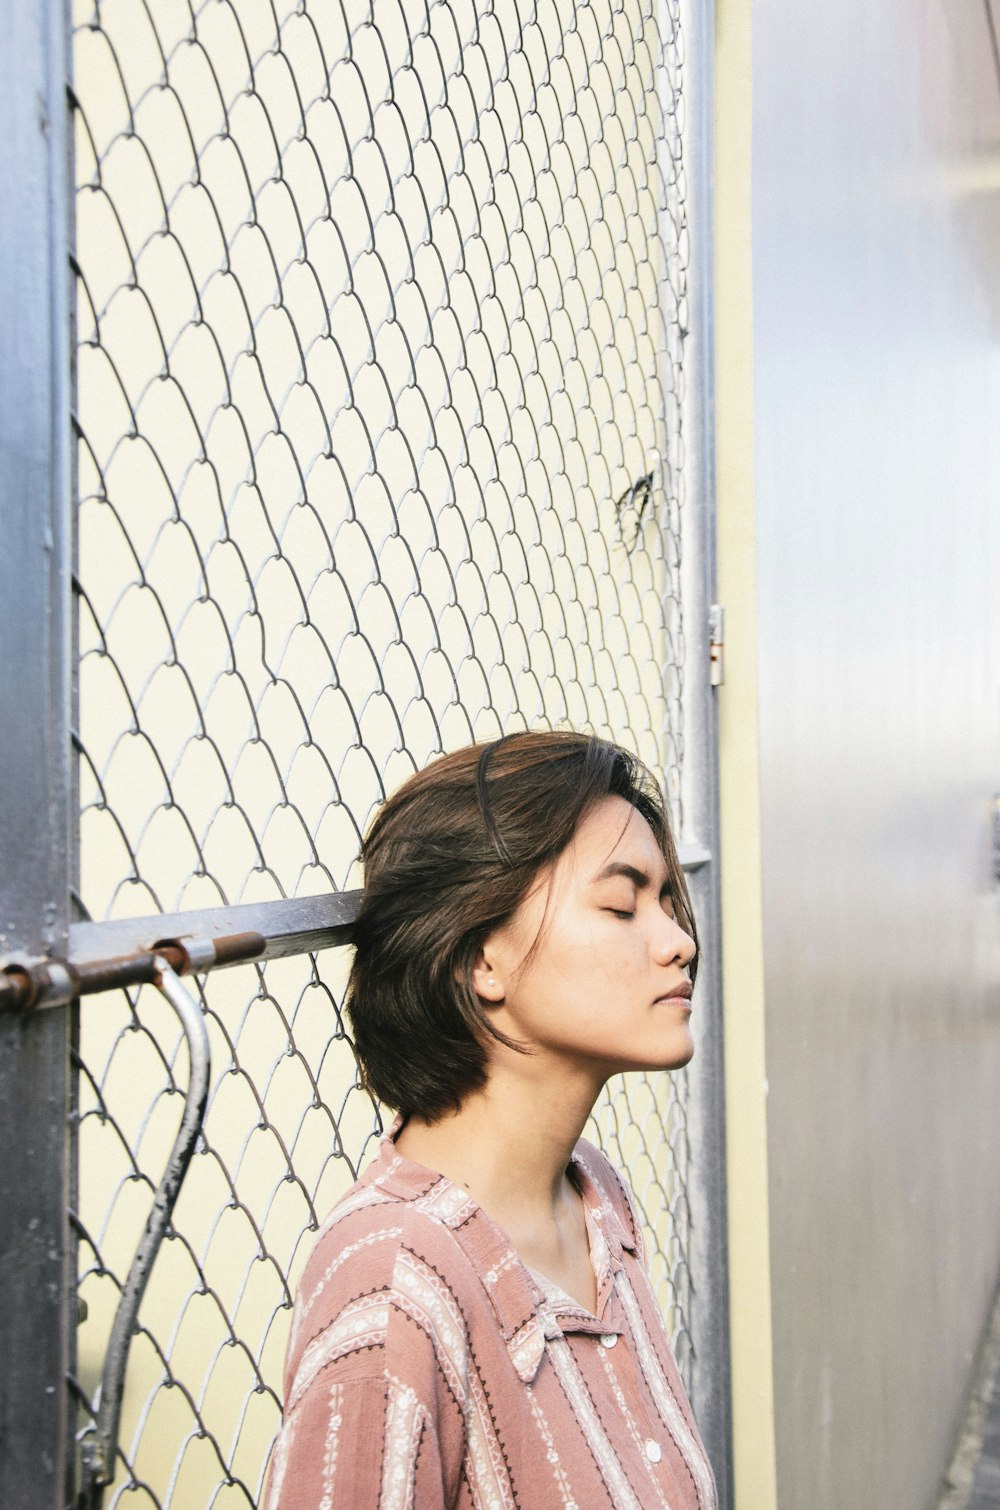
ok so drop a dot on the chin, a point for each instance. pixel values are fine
(683, 1056)
(675, 1059)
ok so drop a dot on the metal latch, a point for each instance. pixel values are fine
(716, 645)
(55, 982)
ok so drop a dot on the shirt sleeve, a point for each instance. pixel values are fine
(357, 1444)
(375, 1371)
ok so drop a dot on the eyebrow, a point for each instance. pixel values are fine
(632, 873)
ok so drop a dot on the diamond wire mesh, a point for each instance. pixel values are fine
(381, 313)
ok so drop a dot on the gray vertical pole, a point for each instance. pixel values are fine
(35, 679)
(711, 1381)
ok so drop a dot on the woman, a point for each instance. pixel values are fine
(475, 1327)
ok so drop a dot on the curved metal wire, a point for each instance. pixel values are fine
(101, 1441)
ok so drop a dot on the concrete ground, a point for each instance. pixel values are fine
(973, 1479)
(985, 1494)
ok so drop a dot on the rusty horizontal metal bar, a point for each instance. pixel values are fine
(299, 925)
(121, 952)
(51, 983)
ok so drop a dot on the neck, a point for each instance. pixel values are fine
(508, 1144)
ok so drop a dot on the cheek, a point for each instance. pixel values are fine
(579, 943)
(596, 953)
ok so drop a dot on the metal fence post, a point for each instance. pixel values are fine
(711, 1381)
(35, 781)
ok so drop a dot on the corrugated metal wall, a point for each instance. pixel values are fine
(877, 318)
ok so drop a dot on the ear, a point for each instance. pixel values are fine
(486, 978)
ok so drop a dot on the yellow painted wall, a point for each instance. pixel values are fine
(301, 577)
(746, 1085)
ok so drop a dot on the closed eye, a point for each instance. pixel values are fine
(620, 912)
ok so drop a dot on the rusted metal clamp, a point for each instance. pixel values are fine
(29, 986)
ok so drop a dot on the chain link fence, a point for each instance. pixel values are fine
(381, 315)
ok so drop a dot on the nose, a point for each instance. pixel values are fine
(673, 943)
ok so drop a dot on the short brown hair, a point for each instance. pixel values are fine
(449, 858)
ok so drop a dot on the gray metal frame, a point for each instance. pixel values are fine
(36, 807)
(711, 1384)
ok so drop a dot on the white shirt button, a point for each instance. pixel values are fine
(609, 1339)
(654, 1451)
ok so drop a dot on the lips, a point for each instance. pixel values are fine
(680, 993)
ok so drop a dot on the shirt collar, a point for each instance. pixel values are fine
(525, 1317)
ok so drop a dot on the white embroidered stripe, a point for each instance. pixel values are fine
(279, 1465)
(403, 1422)
(356, 1200)
(599, 1252)
(626, 1195)
(487, 1472)
(666, 1401)
(306, 1302)
(330, 1446)
(619, 1488)
(440, 1316)
(551, 1454)
(448, 1203)
(527, 1346)
(628, 1416)
(457, 1382)
(362, 1324)
(430, 1302)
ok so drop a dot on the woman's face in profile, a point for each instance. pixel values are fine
(592, 968)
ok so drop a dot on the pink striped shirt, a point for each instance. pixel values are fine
(428, 1367)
